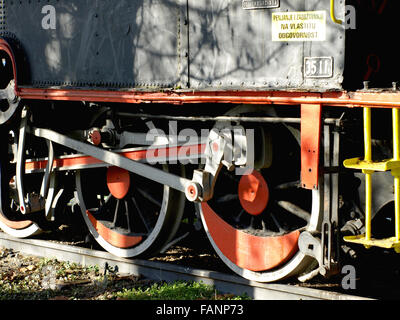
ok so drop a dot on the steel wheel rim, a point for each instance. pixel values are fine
(296, 262)
(162, 232)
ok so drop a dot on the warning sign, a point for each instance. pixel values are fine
(299, 26)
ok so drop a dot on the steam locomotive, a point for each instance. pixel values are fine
(269, 116)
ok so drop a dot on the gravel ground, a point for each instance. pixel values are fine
(194, 250)
(25, 277)
(378, 272)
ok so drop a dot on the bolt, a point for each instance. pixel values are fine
(193, 192)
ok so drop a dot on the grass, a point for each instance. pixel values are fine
(178, 290)
(50, 279)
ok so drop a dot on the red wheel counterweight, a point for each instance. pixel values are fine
(248, 251)
(118, 182)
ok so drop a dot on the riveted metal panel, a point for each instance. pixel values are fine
(2, 15)
(108, 43)
(233, 47)
(154, 44)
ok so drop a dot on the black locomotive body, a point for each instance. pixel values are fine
(178, 44)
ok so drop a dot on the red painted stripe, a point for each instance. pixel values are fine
(333, 98)
(159, 153)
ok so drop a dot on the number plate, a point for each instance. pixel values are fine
(318, 67)
(260, 4)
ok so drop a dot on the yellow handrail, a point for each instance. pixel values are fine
(368, 167)
(367, 135)
(396, 173)
(368, 173)
(333, 17)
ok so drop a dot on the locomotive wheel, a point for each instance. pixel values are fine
(254, 221)
(127, 214)
(12, 221)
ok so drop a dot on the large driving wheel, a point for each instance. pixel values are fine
(254, 221)
(127, 214)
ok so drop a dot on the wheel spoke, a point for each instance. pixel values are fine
(127, 216)
(294, 209)
(288, 185)
(115, 214)
(277, 223)
(252, 224)
(238, 216)
(104, 206)
(227, 198)
(149, 197)
(105, 200)
(142, 217)
(263, 225)
(13, 205)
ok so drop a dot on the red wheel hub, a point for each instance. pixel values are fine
(118, 181)
(253, 193)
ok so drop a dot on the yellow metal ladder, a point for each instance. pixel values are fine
(368, 167)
